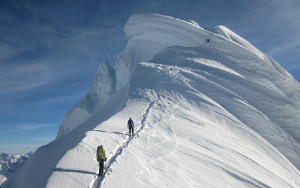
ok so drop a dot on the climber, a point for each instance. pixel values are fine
(207, 40)
(101, 157)
(130, 125)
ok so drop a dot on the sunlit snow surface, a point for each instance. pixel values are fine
(207, 114)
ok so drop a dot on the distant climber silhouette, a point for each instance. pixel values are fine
(130, 125)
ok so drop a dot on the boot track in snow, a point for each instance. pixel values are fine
(97, 181)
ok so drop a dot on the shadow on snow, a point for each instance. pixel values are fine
(109, 132)
(72, 170)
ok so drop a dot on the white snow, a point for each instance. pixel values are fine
(10, 163)
(207, 114)
(102, 87)
(214, 64)
(227, 33)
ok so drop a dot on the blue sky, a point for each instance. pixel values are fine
(49, 51)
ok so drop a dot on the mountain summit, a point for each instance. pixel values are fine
(210, 110)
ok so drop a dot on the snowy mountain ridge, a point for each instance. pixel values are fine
(10, 163)
(228, 34)
(98, 94)
(208, 113)
(139, 30)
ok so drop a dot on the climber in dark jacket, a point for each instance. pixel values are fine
(130, 125)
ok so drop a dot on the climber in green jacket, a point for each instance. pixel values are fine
(101, 157)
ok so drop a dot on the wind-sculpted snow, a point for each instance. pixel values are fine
(148, 35)
(207, 114)
(237, 39)
(99, 93)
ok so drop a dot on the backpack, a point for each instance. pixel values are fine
(101, 153)
(130, 124)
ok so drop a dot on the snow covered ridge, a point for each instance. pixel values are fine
(99, 93)
(208, 113)
(9, 164)
(150, 33)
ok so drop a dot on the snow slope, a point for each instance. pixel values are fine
(102, 87)
(207, 114)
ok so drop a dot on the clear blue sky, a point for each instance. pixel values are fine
(49, 51)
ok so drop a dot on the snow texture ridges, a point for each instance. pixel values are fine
(98, 94)
(208, 113)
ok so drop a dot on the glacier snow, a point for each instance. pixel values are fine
(207, 114)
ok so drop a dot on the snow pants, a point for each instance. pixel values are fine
(101, 167)
(131, 131)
